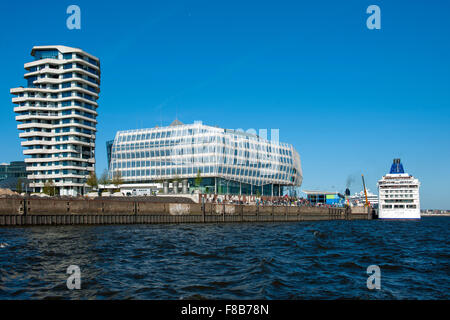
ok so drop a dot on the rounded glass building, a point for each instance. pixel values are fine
(186, 156)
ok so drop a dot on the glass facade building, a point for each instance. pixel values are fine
(13, 174)
(109, 145)
(16, 169)
(227, 161)
(56, 114)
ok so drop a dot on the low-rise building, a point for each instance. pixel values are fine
(13, 174)
(318, 197)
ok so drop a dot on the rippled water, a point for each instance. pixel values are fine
(302, 260)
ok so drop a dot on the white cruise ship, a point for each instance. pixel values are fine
(359, 199)
(398, 194)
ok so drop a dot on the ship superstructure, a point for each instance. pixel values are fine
(358, 199)
(398, 194)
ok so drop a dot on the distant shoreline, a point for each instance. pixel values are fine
(435, 214)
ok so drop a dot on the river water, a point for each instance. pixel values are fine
(299, 260)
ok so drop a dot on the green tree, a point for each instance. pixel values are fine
(92, 180)
(117, 179)
(19, 186)
(198, 179)
(104, 178)
(258, 194)
(49, 188)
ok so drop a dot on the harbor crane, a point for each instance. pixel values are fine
(366, 204)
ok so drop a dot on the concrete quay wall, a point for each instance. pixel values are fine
(58, 211)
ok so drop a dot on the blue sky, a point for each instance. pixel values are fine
(348, 98)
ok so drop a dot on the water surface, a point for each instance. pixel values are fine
(299, 260)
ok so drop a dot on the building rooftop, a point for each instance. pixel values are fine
(199, 124)
(62, 49)
(312, 192)
(176, 122)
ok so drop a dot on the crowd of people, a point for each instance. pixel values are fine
(261, 201)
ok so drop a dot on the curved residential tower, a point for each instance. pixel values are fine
(56, 112)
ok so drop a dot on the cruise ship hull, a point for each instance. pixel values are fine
(399, 214)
